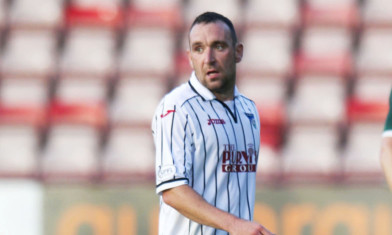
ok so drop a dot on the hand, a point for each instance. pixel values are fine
(244, 227)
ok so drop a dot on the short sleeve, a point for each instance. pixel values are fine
(173, 144)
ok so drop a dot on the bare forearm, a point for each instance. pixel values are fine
(386, 159)
(190, 204)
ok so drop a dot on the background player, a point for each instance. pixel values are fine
(386, 146)
(207, 141)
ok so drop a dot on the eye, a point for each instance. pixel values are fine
(198, 49)
(219, 47)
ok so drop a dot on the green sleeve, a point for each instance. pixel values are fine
(388, 122)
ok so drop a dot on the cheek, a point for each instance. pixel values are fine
(195, 63)
(229, 61)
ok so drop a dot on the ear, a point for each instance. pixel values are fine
(239, 51)
(189, 58)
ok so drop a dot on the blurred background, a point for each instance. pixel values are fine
(80, 79)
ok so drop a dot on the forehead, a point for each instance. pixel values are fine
(210, 32)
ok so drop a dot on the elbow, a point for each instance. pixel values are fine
(167, 197)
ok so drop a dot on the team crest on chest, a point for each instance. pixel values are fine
(251, 119)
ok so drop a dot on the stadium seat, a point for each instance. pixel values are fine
(267, 52)
(41, 46)
(264, 89)
(182, 66)
(156, 4)
(87, 89)
(269, 165)
(325, 50)
(320, 41)
(277, 14)
(272, 129)
(372, 87)
(20, 90)
(328, 34)
(73, 143)
(335, 65)
(330, 13)
(366, 114)
(361, 109)
(78, 113)
(20, 139)
(19, 114)
(311, 153)
(136, 99)
(91, 38)
(372, 58)
(89, 52)
(376, 13)
(361, 156)
(273, 122)
(36, 14)
(102, 13)
(318, 99)
(229, 8)
(140, 56)
(129, 154)
(167, 16)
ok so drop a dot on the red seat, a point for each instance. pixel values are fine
(272, 123)
(94, 16)
(366, 110)
(25, 115)
(93, 114)
(360, 157)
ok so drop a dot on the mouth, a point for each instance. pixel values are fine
(212, 73)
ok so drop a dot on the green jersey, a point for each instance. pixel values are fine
(388, 122)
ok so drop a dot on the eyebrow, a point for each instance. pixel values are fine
(197, 43)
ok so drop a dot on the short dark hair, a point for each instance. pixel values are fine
(212, 17)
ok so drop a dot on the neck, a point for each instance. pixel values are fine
(226, 96)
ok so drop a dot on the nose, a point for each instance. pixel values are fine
(209, 56)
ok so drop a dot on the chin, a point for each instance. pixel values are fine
(214, 86)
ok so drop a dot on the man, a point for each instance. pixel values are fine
(386, 146)
(207, 141)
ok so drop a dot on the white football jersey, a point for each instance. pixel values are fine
(212, 147)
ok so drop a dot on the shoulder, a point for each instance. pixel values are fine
(247, 100)
(242, 96)
(179, 95)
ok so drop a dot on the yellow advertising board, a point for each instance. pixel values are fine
(294, 210)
